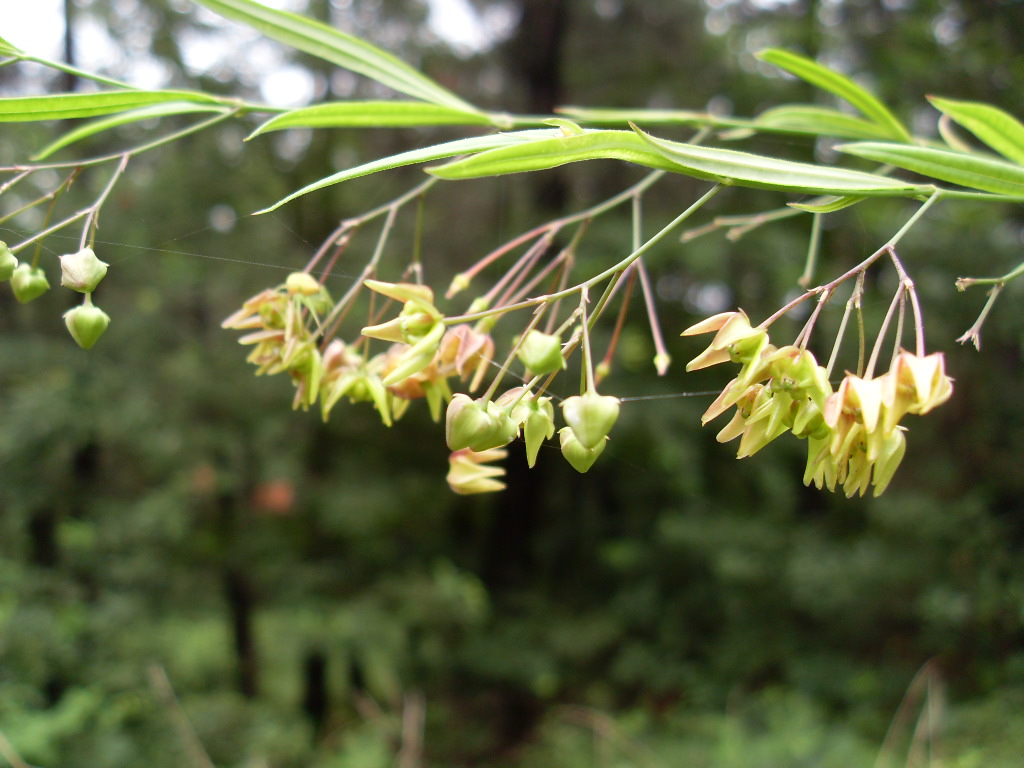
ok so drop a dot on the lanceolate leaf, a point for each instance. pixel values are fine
(996, 128)
(841, 86)
(731, 167)
(373, 114)
(8, 49)
(64, 106)
(551, 151)
(966, 169)
(347, 51)
(828, 204)
(819, 121)
(424, 155)
(122, 118)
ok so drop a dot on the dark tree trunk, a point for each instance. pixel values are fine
(316, 700)
(241, 602)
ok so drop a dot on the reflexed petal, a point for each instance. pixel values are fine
(711, 324)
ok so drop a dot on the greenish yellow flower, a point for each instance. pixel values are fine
(469, 473)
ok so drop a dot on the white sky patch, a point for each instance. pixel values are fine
(36, 27)
(288, 86)
(467, 31)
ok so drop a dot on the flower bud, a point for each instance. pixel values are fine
(86, 324)
(541, 353)
(477, 425)
(302, 283)
(537, 417)
(590, 416)
(28, 283)
(81, 271)
(578, 455)
(8, 261)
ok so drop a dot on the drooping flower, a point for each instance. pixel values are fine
(82, 271)
(469, 473)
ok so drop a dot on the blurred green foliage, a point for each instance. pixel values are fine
(313, 591)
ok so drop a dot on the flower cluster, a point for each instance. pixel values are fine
(853, 433)
(288, 336)
(282, 337)
(425, 352)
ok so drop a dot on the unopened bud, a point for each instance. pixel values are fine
(28, 283)
(86, 324)
(302, 283)
(81, 271)
(591, 417)
(8, 262)
(578, 455)
(477, 425)
(541, 353)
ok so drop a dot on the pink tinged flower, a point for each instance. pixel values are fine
(468, 472)
(416, 357)
(466, 351)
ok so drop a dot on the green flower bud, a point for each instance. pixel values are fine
(8, 262)
(477, 425)
(81, 271)
(591, 417)
(28, 283)
(86, 324)
(541, 353)
(578, 455)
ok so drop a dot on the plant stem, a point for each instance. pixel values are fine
(619, 267)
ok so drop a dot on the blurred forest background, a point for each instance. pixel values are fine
(315, 596)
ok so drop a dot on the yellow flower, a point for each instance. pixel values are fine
(734, 340)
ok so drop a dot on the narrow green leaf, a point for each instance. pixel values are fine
(592, 116)
(998, 129)
(828, 204)
(731, 167)
(972, 170)
(347, 51)
(123, 118)
(819, 121)
(841, 86)
(65, 106)
(424, 155)
(8, 48)
(373, 114)
(549, 151)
